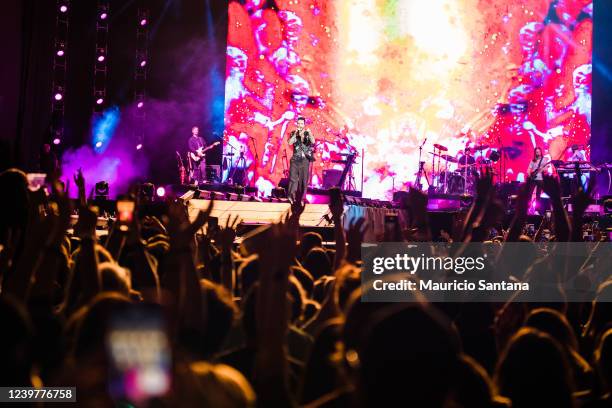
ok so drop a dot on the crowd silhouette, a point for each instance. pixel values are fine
(278, 320)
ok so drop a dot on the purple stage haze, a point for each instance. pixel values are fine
(192, 99)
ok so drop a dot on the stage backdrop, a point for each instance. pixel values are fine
(384, 76)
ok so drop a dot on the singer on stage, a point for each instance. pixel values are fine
(302, 141)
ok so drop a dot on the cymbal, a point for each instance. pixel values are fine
(440, 147)
(449, 158)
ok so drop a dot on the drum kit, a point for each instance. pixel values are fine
(456, 174)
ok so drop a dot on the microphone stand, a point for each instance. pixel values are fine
(252, 139)
(231, 163)
(421, 169)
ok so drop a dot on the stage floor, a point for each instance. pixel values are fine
(253, 212)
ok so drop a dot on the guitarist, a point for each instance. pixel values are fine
(537, 165)
(302, 141)
(196, 146)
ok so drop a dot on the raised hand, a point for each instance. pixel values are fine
(297, 208)
(180, 229)
(484, 185)
(583, 198)
(354, 238)
(79, 180)
(225, 236)
(336, 205)
(551, 187)
(86, 225)
(61, 214)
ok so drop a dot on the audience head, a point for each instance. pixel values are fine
(553, 323)
(533, 372)
(408, 357)
(202, 384)
(309, 241)
(115, 278)
(317, 263)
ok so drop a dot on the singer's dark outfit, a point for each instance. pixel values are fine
(299, 165)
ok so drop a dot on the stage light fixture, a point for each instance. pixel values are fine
(60, 53)
(100, 101)
(100, 58)
(143, 63)
(160, 191)
(139, 146)
(101, 189)
(63, 8)
(56, 141)
(103, 16)
(139, 105)
(143, 22)
(58, 96)
(98, 145)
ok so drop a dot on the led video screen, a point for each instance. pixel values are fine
(381, 78)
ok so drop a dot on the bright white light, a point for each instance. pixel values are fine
(435, 27)
(101, 58)
(161, 191)
(56, 141)
(63, 8)
(98, 145)
(58, 96)
(139, 146)
(60, 53)
(143, 22)
(143, 63)
(100, 101)
(139, 105)
(103, 16)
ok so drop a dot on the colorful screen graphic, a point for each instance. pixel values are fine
(383, 77)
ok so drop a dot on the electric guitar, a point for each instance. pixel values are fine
(542, 166)
(198, 155)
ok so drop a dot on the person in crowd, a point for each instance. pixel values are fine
(279, 322)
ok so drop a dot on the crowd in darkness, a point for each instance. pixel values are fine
(278, 320)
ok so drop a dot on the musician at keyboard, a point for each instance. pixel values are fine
(578, 154)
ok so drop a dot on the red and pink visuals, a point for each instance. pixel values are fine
(383, 76)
